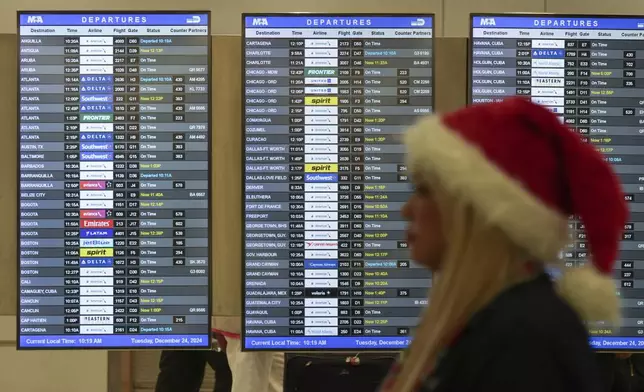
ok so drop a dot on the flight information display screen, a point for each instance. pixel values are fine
(326, 100)
(588, 70)
(114, 180)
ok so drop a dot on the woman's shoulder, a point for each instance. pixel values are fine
(528, 332)
(535, 309)
(532, 327)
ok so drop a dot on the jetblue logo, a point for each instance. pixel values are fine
(34, 19)
(488, 22)
(260, 22)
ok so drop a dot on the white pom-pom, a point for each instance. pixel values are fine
(590, 293)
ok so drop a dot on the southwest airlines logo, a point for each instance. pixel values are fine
(260, 22)
(487, 22)
(34, 19)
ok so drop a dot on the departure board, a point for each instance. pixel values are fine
(114, 180)
(588, 70)
(326, 100)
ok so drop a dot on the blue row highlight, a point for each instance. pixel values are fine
(321, 264)
(381, 53)
(155, 79)
(113, 19)
(617, 343)
(381, 264)
(314, 342)
(390, 342)
(80, 341)
(561, 22)
(338, 22)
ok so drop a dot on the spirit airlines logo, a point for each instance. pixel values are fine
(260, 22)
(488, 22)
(34, 19)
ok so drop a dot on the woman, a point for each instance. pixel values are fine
(494, 187)
(625, 372)
(184, 370)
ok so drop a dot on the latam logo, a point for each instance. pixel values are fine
(488, 22)
(34, 19)
(260, 22)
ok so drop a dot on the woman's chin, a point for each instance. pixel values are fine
(417, 258)
(426, 262)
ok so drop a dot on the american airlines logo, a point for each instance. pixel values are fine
(418, 22)
(260, 22)
(34, 19)
(488, 22)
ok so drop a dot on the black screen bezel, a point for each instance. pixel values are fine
(243, 136)
(19, 13)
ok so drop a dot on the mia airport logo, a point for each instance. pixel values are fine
(260, 22)
(487, 22)
(34, 19)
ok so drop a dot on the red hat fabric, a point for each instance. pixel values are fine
(527, 173)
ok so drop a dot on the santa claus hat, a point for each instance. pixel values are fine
(527, 174)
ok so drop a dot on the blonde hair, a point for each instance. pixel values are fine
(479, 262)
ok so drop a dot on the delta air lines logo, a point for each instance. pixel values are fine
(260, 22)
(34, 19)
(488, 22)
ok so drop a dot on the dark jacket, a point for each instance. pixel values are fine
(527, 340)
(624, 375)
